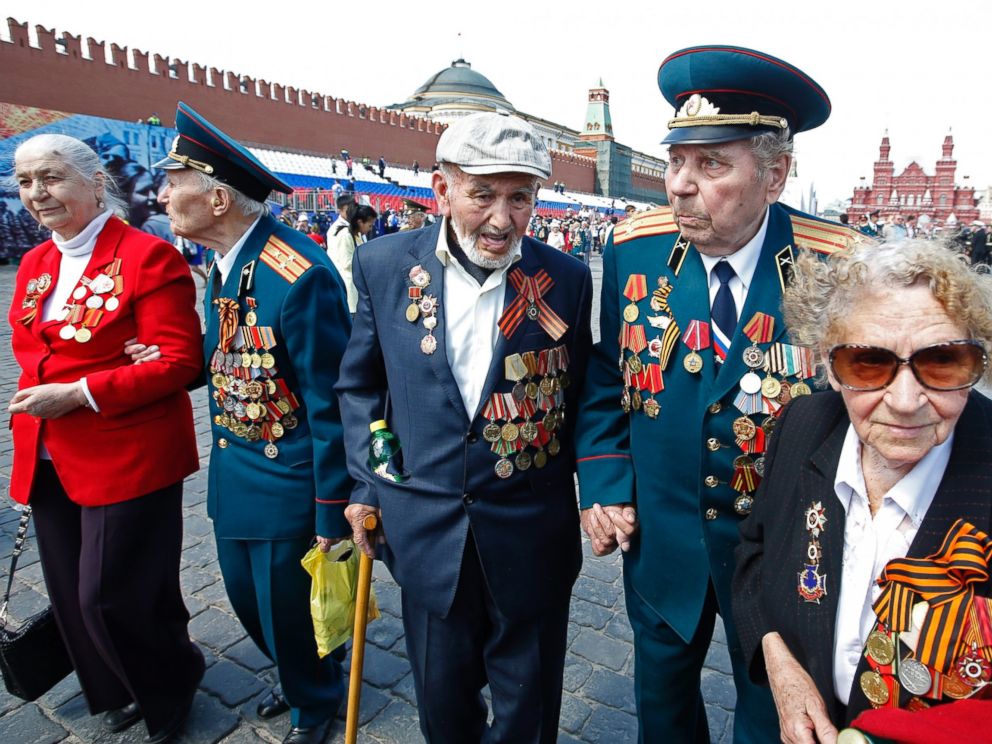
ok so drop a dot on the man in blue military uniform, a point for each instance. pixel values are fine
(471, 341)
(692, 367)
(277, 325)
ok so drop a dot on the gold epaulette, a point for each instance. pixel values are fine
(822, 237)
(283, 260)
(654, 222)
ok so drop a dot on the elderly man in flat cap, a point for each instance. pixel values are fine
(470, 341)
(277, 324)
(692, 367)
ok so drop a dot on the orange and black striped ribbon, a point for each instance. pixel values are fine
(227, 310)
(945, 580)
(530, 290)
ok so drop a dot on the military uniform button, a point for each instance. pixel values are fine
(711, 481)
(715, 408)
(222, 443)
(711, 514)
(472, 437)
(468, 499)
(712, 444)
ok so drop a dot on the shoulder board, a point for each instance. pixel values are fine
(821, 236)
(658, 221)
(283, 260)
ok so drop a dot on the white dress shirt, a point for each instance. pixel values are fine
(871, 542)
(470, 313)
(226, 261)
(743, 261)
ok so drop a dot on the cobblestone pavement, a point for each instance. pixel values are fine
(598, 704)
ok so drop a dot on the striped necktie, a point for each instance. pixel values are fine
(724, 311)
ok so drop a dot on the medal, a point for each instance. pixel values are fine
(751, 383)
(954, 687)
(770, 387)
(268, 361)
(696, 337)
(428, 344)
(554, 446)
(659, 297)
(914, 677)
(67, 332)
(271, 451)
(636, 290)
(504, 468)
(800, 388)
(540, 459)
(523, 461)
(510, 432)
(651, 408)
(491, 432)
(256, 360)
(634, 364)
(277, 430)
(412, 312)
(693, 363)
(79, 293)
(754, 358)
(743, 504)
(881, 649)
(874, 688)
(419, 276)
(94, 302)
(744, 428)
(83, 335)
(219, 380)
(528, 433)
(289, 421)
(812, 586)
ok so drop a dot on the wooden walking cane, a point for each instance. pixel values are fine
(358, 641)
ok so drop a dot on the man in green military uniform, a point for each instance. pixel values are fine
(692, 367)
(277, 325)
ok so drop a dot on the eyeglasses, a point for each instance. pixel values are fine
(953, 365)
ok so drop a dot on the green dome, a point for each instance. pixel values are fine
(458, 83)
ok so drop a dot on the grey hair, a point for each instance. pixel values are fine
(822, 293)
(78, 156)
(768, 147)
(248, 206)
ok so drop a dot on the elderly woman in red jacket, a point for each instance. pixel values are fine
(101, 445)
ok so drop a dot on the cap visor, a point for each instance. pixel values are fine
(168, 163)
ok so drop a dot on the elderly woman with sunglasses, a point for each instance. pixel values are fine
(878, 469)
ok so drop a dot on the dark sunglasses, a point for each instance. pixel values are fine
(953, 365)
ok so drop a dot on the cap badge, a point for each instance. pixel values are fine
(697, 105)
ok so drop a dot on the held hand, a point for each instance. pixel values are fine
(624, 519)
(326, 543)
(48, 401)
(598, 526)
(802, 714)
(140, 353)
(355, 514)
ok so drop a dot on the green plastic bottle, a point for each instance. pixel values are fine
(383, 447)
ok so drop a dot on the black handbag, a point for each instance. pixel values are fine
(33, 657)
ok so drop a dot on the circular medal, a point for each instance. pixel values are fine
(754, 357)
(83, 335)
(271, 451)
(531, 389)
(32, 286)
(251, 318)
(420, 277)
(270, 385)
(504, 468)
(564, 379)
(253, 434)
(547, 386)
(651, 408)
(66, 332)
(240, 429)
(814, 552)
(554, 446)
(94, 302)
(634, 364)
(540, 459)
(528, 432)
(240, 410)
(430, 322)
(744, 428)
(915, 677)
(219, 380)
(751, 383)
(289, 421)
(102, 284)
(550, 421)
(800, 388)
(283, 405)
(253, 411)
(519, 392)
(881, 649)
(412, 312)
(873, 686)
(532, 312)
(768, 425)
(492, 432)
(785, 392)
(693, 363)
(254, 389)
(112, 304)
(759, 466)
(630, 313)
(743, 504)
(79, 293)
(510, 432)
(555, 385)
(428, 344)
(743, 461)
(229, 404)
(955, 687)
(278, 430)
(245, 359)
(268, 361)
(770, 387)
(256, 360)
(523, 461)
(44, 281)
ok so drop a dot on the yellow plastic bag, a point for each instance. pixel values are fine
(333, 589)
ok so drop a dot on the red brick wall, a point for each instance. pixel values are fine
(576, 172)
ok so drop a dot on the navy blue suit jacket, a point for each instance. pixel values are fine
(526, 527)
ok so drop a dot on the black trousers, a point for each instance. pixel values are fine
(112, 574)
(454, 657)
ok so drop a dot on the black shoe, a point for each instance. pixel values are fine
(273, 704)
(310, 735)
(178, 719)
(122, 718)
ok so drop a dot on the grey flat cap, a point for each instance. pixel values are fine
(487, 143)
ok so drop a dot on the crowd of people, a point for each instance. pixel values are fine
(702, 452)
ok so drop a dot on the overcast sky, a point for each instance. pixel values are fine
(915, 68)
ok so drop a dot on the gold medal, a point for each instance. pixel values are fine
(256, 360)
(268, 361)
(634, 364)
(219, 380)
(271, 451)
(528, 432)
(251, 318)
(83, 335)
(800, 388)
(245, 359)
(270, 385)
(770, 387)
(413, 312)
(278, 430)
(240, 429)
(253, 411)
(955, 687)
(744, 428)
(547, 386)
(283, 405)
(693, 363)
(636, 400)
(554, 446)
(540, 459)
(881, 649)
(253, 434)
(531, 390)
(510, 432)
(504, 468)
(550, 421)
(254, 389)
(630, 313)
(873, 686)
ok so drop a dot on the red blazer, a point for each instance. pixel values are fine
(142, 439)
